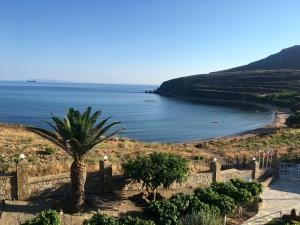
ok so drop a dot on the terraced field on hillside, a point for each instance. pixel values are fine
(240, 85)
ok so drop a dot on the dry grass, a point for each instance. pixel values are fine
(16, 139)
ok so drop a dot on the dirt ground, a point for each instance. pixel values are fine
(117, 204)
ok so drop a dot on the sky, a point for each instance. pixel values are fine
(139, 41)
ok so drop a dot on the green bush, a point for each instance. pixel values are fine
(190, 204)
(103, 219)
(241, 195)
(49, 151)
(295, 107)
(169, 211)
(134, 221)
(283, 98)
(182, 201)
(294, 120)
(199, 158)
(202, 218)
(225, 204)
(253, 187)
(157, 169)
(283, 222)
(48, 217)
(163, 212)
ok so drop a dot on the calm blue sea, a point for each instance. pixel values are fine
(147, 117)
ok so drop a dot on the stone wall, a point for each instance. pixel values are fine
(227, 175)
(200, 179)
(60, 184)
(8, 187)
(49, 186)
(193, 181)
(21, 186)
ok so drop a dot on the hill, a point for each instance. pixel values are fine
(275, 79)
(288, 58)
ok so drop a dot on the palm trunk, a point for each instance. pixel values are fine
(154, 194)
(78, 178)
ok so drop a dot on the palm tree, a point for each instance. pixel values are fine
(77, 134)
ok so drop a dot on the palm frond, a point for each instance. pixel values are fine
(77, 133)
(52, 137)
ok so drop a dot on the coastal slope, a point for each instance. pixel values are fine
(274, 74)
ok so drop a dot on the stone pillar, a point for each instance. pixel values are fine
(215, 168)
(22, 180)
(275, 164)
(105, 176)
(254, 165)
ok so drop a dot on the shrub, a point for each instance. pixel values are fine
(47, 217)
(49, 151)
(157, 169)
(170, 211)
(163, 212)
(134, 221)
(294, 120)
(253, 187)
(202, 218)
(295, 107)
(182, 201)
(240, 195)
(102, 219)
(225, 204)
(199, 158)
(188, 204)
(283, 222)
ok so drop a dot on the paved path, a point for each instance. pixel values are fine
(282, 195)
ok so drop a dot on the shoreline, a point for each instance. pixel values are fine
(279, 121)
(280, 116)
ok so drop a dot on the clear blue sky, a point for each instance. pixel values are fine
(139, 41)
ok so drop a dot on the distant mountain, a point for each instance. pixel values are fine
(256, 81)
(288, 58)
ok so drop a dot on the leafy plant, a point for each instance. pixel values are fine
(134, 221)
(48, 217)
(253, 187)
(49, 151)
(225, 204)
(163, 212)
(156, 169)
(169, 211)
(77, 134)
(199, 158)
(202, 218)
(283, 222)
(240, 195)
(101, 219)
(294, 120)
(189, 203)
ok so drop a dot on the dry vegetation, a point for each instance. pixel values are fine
(45, 158)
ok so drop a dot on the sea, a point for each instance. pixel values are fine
(146, 117)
